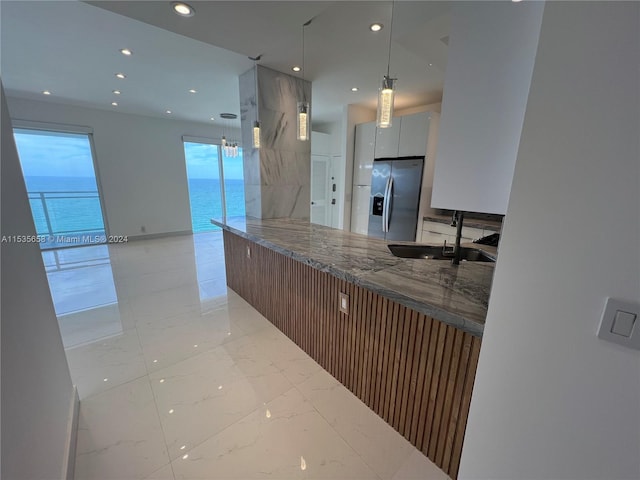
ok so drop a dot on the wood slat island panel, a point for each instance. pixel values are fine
(414, 371)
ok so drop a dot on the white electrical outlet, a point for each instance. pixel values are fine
(248, 251)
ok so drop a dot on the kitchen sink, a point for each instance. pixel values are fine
(433, 252)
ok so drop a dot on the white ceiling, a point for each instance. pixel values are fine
(72, 49)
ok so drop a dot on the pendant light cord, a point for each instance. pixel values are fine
(255, 75)
(390, 36)
(305, 24)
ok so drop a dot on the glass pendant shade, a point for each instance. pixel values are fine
(223, 142)
(386, 96)
(256, 134)
(304, 118)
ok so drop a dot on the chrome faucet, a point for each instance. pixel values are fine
(454, 218)
(458, 219)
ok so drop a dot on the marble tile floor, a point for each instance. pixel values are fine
(180, 378)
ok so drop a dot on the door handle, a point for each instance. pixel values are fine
(385, 206)
(388, 203)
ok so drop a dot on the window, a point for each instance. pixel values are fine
(61, 183)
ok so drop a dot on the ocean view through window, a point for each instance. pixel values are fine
(215, 187)
(61, 184)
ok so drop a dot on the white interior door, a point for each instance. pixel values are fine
(336, 191)
(320, 185)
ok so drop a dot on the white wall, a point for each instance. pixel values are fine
(491, 52)
(37, 393)
(551, 400)
(432, 107)
(140, 163)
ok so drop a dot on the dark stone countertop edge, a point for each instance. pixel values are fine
(457, 321)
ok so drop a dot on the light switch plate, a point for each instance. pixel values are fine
(620, 323)
(344, 303)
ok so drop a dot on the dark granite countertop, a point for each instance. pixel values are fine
(492, 225)
(457, 296)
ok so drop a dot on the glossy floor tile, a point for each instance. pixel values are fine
(180, 378)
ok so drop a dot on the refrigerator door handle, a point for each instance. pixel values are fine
(389, 199)
(385, 226)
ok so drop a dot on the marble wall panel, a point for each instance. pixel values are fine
(285, 201)
(253, 200)
(251, 166)
(284, 168)
(248, 109)
(282, 165)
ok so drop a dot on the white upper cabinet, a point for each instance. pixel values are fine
(492, 49)
(407, 137)
(387, 140)
(413, 135)
(364, 152)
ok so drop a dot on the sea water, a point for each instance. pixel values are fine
(68, 205)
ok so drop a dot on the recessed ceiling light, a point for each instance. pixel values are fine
(121, 75)
(46, 92)
(183, 9)
(117, 92)
(126, 51)
(376, 27)
(169, 111)
(115, 104)
(431, 64)
(296, 68)
(516, 1)
(193, 90)
(212, 119)
(354, 89)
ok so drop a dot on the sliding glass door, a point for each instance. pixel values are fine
(216, 184)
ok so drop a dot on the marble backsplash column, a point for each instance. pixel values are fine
(277, 176)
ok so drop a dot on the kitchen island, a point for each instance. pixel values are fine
(402, 334)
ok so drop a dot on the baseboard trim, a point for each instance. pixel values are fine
(151, 236)
(72, 437)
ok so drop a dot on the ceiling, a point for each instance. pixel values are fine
(72, 48)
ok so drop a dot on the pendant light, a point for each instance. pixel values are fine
(256, 125)
(386, 93)
(303, 109)
(229, 146)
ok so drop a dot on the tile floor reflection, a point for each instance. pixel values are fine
(180, 378)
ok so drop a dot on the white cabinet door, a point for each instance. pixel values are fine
(360, 209)
(320, 208)
(388, 139)
(413, 135)
(364, 153)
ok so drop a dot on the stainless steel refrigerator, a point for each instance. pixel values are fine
(395, 198)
